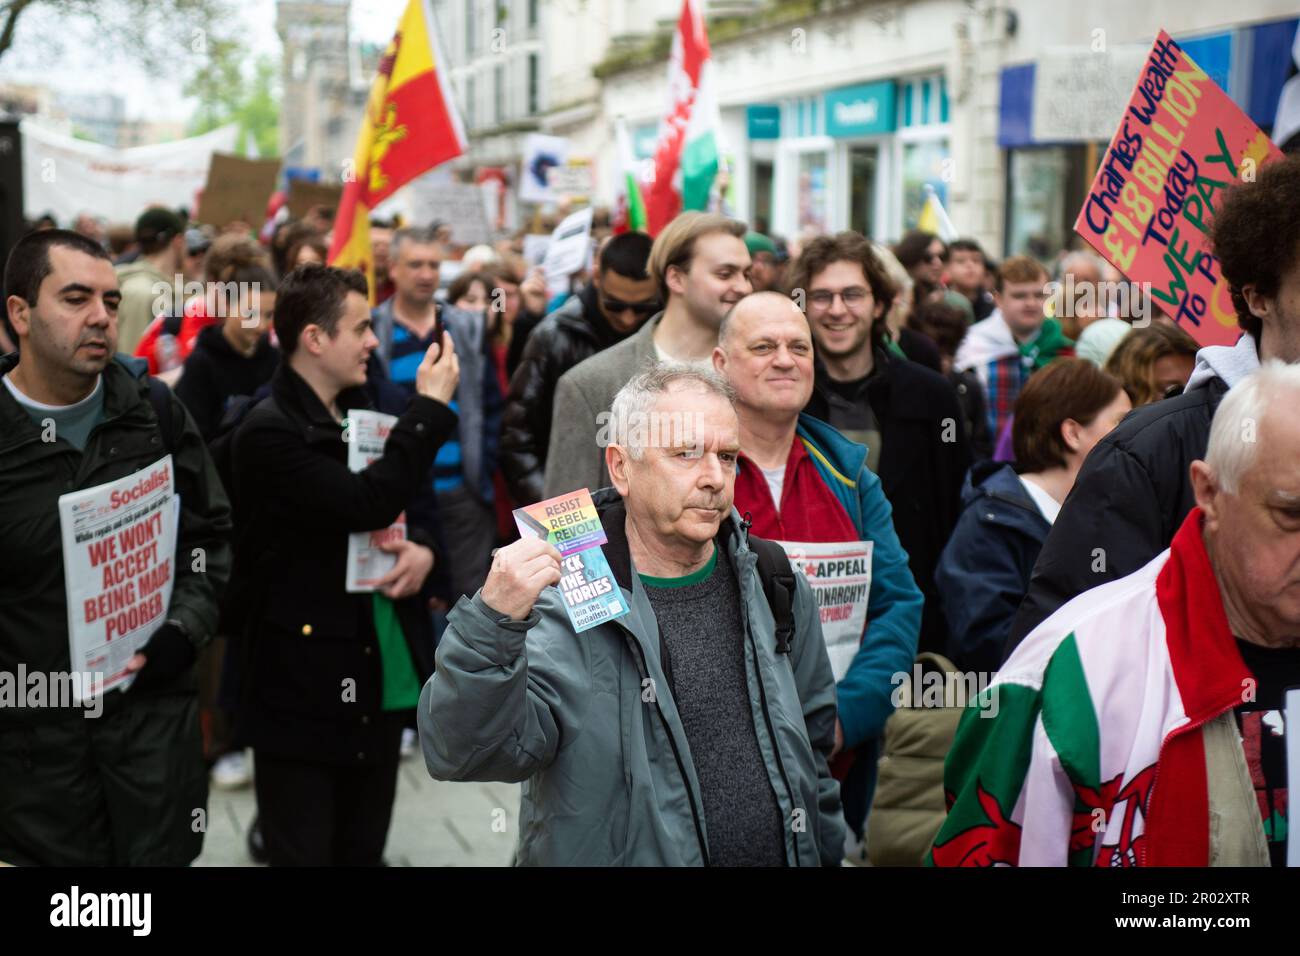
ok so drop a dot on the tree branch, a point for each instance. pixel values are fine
(13, 10)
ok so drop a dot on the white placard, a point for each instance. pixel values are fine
(839, 573)
(119, 567)
(1080, 95)
(365, 433)
(568, 251)
(541, 154)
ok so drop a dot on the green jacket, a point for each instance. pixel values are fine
(588, 723)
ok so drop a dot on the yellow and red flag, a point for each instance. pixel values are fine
(410, 126)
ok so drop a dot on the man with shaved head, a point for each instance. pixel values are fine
(800, 480)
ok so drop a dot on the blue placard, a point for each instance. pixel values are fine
(863, 110)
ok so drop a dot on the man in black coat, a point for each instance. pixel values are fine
(618, 301)
(121, 782)
(1134, 489)
(906, 415)
(325, 667)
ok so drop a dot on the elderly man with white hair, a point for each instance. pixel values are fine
(693, 730)
(1140, 724)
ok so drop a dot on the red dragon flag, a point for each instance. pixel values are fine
(410, 126)
(687, 153)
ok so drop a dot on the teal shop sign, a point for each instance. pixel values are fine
(764, 121)
(863, 110)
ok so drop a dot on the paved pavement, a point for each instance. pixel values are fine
(434, 823)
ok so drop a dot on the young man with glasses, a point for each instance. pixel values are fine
(620, 298)
(1015, 341)
(906, 415)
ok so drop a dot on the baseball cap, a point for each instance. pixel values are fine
(157, 224)
(757, 242)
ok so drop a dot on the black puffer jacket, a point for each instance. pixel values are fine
(1131, 495)
(571, 334)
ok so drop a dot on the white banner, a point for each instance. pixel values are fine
(69, 176)
(119, 550)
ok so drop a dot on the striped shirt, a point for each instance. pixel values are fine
(408, 353)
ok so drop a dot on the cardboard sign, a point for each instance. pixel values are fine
(119, 566)
(569, 522)
(237, 188)
(1180, 145)
(304, 196)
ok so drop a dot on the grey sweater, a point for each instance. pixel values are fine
(704, 635)
(575, 457)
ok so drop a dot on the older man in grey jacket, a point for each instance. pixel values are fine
(683, 733)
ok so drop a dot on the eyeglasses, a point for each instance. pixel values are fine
(851, 297)
(616, 307)
(935, 257)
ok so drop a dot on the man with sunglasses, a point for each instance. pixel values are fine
(618, 301)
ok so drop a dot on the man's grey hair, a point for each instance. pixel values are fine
(419, 235)
(1234, 435)
(629, 424)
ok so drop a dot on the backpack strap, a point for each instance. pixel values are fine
(161, 399)
(779, 586)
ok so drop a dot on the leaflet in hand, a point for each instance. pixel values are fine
(591, 595)
(119, 556)
(840, 575)
(365, 435)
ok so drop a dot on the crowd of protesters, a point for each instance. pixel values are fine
(996, 449)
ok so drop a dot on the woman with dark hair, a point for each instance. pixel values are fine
(923, 255)
(308, 248)
(983, 573)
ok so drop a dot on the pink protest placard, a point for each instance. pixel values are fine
(1181, 144)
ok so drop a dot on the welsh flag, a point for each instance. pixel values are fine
(410, 126)
(686, 155)
(630, 216)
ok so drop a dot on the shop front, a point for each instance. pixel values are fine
(855, 157)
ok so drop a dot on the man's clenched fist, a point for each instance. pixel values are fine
(519, 573)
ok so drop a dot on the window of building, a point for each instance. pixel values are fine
(471, 25)
(532, 13)
(534, 91)
(471, 94)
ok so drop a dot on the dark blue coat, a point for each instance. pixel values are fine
(984, 570)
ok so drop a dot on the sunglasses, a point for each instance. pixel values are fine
(615, 307)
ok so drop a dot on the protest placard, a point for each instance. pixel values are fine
(119, 551)
(304, 196)
(587, 586)
(1180, 145)
(365, 433)
(569, 250)
(839, 573)
(237, 189)
(572, 179)
(542, 153)
(463, 206)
